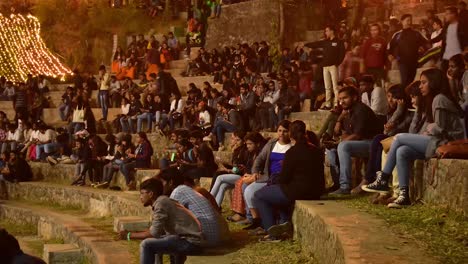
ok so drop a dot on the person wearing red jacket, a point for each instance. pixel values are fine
(373, 54)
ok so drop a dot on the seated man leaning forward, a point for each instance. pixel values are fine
(174, 229)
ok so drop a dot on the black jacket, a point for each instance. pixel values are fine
(302, 176)
(405, 46)
(333, 51)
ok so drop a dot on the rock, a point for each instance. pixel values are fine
(62, 254)
(131, 223)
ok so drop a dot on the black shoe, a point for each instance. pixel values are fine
(256, 222)
(340, 192)
(380, 185)
(333, 188)
(279, 230)
(402, 200)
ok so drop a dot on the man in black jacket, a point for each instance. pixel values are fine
(404, 46)
(333, 55)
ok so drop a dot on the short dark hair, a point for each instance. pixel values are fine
(284, 123)
(438, 21)
(153, 185)
(350, 90)
(405, 16)
(376, 25)
(330, 27)
(367, 79)
(297, 131)
(102, 68)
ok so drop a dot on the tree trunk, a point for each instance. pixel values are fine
(282, 22)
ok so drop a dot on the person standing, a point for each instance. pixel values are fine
(103, 94)
(373, 54)
(454, 36)
(333, 55)
(404, 47)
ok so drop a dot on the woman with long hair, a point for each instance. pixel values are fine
(142, 159)
(301, 178)
(442, 124)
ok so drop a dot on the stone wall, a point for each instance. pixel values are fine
(260, 20)
(244, 22)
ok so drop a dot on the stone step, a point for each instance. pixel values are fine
(131, 223)
(183, 82)
(334, 233)
(64, 173)
(313, 120)
(52, 114)
(98, 246)
(62, 254)
(97, 202)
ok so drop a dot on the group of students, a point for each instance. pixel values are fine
(187, 220)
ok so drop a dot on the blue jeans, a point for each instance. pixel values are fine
(346, 150)
(375, 158)
(149, 120)
(8, 146)
(268, 199)
(332, 157)
(249, 193)
(223, 182)
(173, 245)
(127, 124)
(104, 102)
(405, 149)
(64, 110)
(47, 148)
(220, 127)
(127, 170)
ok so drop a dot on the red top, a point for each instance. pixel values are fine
(373, 52)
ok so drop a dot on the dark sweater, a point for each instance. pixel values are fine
(302, 176)
(405, 45)
(333, 51)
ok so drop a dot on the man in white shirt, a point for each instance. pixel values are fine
(14, 135)
(374, 97)
(46, 142)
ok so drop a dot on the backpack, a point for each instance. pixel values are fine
(457, 149)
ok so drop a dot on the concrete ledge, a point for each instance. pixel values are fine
(97, 202)
(64, 173)
(334, 233)
(131, 223)
(62, 254)
(98, 246)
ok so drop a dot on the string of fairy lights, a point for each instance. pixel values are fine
(23, 52)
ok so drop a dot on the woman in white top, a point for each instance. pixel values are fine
(175, 112)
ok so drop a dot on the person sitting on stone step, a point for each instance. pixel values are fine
(174, 229)
(141, 159)
(214, 227)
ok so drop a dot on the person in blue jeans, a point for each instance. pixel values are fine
(442, 124)
(265, 171)
(295, 182)
(359, 125)
(174, 229)
(103, 94)
(149, 110)
(231, 124)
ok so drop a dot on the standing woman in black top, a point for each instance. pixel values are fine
(301, 178)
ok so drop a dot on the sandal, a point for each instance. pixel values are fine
(235, 218)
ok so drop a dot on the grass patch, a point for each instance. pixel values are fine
(442, 232)
(18, 229)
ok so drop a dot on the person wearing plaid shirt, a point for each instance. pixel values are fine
(203, 210)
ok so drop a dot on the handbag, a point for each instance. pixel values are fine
(78, 115)
(457, 149)
(387, 143)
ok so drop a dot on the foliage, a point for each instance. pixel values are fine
(444, 233)
(275, 46)
(82, 34)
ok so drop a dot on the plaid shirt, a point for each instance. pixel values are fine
(202, 209)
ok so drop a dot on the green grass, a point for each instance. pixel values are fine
(18, 229)
(442, 232)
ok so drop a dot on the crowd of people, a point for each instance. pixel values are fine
(388, 126)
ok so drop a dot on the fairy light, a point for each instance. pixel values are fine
(23, 52)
